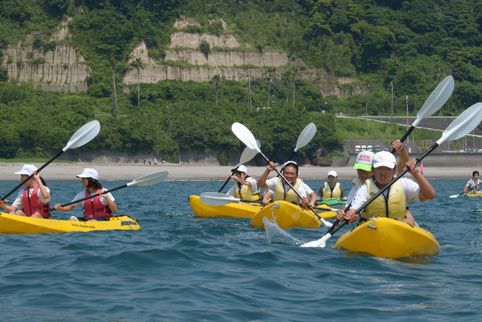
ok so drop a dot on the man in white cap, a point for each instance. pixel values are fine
(34, 200)
(280, 190)
(393, 203)
(245, 187)
(331, 189)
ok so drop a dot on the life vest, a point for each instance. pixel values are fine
(32, 204)
(244, 192)
(290, 195)
(329, 193)
(94, 209)
(393, 207)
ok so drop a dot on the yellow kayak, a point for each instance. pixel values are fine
(288, 215)
(13, 224)
(472, 195)
(389, 238)
(230, 210)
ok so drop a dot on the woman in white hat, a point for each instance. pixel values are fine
(332, 189)
(245, 187)
(99, 207)
(394, 202)
(279, 190)
(34, 200)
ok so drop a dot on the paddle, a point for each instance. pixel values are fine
(460, 127)
(246, 156)
(81, 137)
(463, 193)
(434, 102)
(146, 180)
(245, 136)
(304, 138)
(221, 199)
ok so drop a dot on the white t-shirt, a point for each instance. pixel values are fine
(253, 184)
(18, 201)
(304, 190)
(81, 195)
(471, 184)
(411, 190)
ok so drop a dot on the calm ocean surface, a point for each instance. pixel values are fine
(178, 268)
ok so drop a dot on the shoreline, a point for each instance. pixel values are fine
(63, 171)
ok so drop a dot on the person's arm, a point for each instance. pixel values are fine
(7, 207)
(262, 179)
(266, 197)
(109, 198)
(467, 186)
(241, 181)
(399, 147)
(427, 192)
(45, 193)
(58, 207)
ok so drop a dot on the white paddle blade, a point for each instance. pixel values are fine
(454, 196)
(306, 136)
(248, 154)
(217, 198)
(149, 179)
(320, 243)
(463, 124)
(245, 136)
(436, 100)
(326, 223)
(83, 135)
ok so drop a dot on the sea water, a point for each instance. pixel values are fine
(180, 268)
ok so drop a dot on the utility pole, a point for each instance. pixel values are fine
(406, 105)
(391, 84)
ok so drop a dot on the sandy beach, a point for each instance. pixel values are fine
(67, 171)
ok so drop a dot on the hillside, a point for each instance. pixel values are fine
(168, 78)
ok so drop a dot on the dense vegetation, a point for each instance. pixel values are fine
(407, 45)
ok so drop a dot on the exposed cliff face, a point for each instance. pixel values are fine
(58, 68)
(226, 57)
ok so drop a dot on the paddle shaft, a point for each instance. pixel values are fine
(30, 177)
(404, 137)
(419, 159)
(92, 196)
(225, 182)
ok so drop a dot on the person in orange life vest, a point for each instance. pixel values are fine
(34, 199)
(331, 188)
(99, 207)
(245, 187)
(394, 202)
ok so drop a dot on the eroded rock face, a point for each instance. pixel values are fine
(60, 68)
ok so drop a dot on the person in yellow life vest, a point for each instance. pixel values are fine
(280, 190)
(245, 187)
(331, 189)
(393, 203)
(34, 199)
(364, 170)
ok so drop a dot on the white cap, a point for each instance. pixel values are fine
(332, 173)
(27, 169)
(384, 159)
(243, 168)
(364, 161)
(89, 173)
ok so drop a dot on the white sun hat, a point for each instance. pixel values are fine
(332, 173)
(243, 168)
(384, 159)
(89, 173)
(27, 169)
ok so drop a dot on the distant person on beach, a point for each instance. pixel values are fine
(155, 161)
(474, 184)
(244, 187)
(34, 200)
(279, 190)
(393, 203)
(331, 189)
(96, 208)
